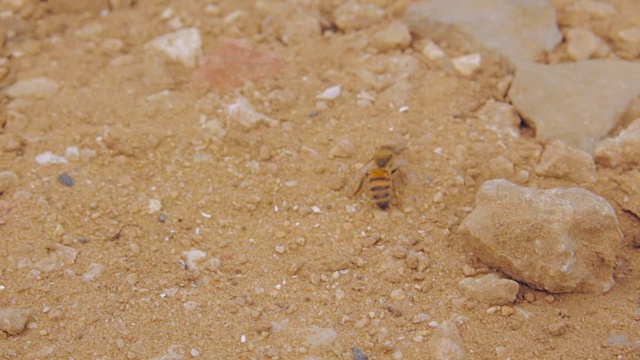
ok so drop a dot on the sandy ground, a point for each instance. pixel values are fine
(283, 263)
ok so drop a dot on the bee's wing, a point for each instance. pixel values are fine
(356, 183)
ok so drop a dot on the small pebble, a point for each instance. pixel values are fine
(5, 207)
(162, 217)
(330, 93)
(530, 297)
(468, 270)
(492, 310)
(66, 180)
(467, 64)
(358, 354)
(280, 249)
(432, 50)
(398, 294)
(93, 272)
(557, 329)
(506, 311)
(195, 353)
(7, 178)
(154, 205)
(618, 340)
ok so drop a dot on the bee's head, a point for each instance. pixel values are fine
(383, 157)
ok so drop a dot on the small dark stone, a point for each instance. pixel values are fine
(66, 179)
(313, 114)
(358, 354)
(162, 217)
(83, 240)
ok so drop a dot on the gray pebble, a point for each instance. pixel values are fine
(618, 340)
(358, 354)
(162, 217)
(66, 179)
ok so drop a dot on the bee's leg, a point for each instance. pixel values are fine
(359, 189)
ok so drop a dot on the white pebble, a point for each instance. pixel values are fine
(50, 158)
(340, 294)
(280, 249)
(155, 205)
(72, 151)
(398, 294)
(184, 45)
(192, 257)
(433, 51)
(467, 64)
(190, 305)
(195, 353)
(93, 272)
(492, 310)
(330, 93)
(166, 13)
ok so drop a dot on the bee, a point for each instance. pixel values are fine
(380, 177)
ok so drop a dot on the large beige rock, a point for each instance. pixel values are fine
(559, 240)
(567, 101)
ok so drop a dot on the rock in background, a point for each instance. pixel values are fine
(559, 240)
(566, 101)
(502, 25)
(560, 101)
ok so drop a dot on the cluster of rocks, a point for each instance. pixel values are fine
(561, 101)
(547, 238)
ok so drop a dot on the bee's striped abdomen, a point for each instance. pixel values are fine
(380, 187)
